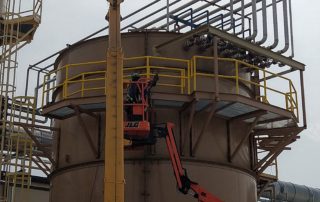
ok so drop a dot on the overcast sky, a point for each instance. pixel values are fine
(66, 21)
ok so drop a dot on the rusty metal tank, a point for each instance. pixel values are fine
(78, 172)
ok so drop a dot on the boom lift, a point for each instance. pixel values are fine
(139, 131)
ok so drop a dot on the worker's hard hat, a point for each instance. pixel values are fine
(135, 77)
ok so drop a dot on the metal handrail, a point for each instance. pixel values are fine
(185, 72)
(290, 97)
(148, 70)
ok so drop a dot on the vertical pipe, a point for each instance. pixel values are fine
(286, 27)
(275, 25)
(264, 22)
(254, 21)
(303, 100)
(231, 17)
(168, 15)
(242, 18)
(291, 29)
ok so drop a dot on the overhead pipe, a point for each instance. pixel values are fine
(286, 27)
(254, 21)
(194, 10)
(249, 14)
(231, 17)
(151, 14)
(224, 15)
(172, 12)
(275, 25)
(217, 10)
(265, 23)
(242, 19)
(291, 29)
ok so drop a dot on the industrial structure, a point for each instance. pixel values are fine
(214, 95)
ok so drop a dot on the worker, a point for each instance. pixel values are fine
(133, 95)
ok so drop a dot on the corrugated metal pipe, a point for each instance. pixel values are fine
(289, 192)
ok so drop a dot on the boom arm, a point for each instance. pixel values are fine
(183, 182)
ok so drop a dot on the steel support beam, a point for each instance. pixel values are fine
(40, 167)
(114, 147)
(245, 138)
(44, 164)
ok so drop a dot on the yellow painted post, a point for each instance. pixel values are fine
(237, 77)
(148, 67)
(297, 104)
(291, 98)
(65, 84)
(67, 72)
(114, 148)
(181, 81)
(82, 85)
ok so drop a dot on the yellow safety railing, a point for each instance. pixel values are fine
(175, 77)
(173, 73)
(289, 96)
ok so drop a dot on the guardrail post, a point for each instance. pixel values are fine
(291, 98)
(265, 86)
(182, 80)
(82, 85)
(237, 77)
(105, 83)
(194, 73)
(148, 67)
(65, 83)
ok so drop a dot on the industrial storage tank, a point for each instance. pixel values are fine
(212, 128)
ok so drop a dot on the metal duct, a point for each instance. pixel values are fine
(289, 192)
